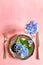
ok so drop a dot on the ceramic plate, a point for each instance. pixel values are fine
(21, 46)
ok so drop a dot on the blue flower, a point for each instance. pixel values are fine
(30, 41)
(21, 50)
(31, 28)
(24, 53)
(17, 47)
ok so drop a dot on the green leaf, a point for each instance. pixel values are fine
(26, 43)
(30, 49)
(23, 42)
(19, 40)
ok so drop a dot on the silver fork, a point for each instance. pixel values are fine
(5, 39)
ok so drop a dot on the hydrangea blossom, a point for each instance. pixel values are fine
(31, 28)
(24, 52)
(21, 50)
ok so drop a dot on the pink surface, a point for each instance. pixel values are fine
(14, 14)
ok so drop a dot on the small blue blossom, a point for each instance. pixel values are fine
(30, 41)
(21, 50)
(24, 53)
(17, 47)
(31, 28)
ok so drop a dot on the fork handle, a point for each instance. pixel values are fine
(4, 55)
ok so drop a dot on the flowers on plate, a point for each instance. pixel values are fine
(21, 50)
(22, 47)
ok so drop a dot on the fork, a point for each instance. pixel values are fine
(5, 39)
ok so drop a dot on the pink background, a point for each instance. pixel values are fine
(14, 14)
